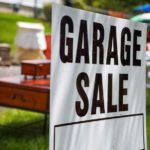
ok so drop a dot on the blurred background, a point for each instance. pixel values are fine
(21, 21)
(39, 11)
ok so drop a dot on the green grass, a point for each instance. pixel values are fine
(148, 118)
(13, 137)
(8, 27)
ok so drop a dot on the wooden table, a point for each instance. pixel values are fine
(27, 94)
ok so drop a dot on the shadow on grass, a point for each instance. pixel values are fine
(148, 116)
(22, 130)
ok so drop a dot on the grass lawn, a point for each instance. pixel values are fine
(13, 137)
(148, 118)
(8, 27)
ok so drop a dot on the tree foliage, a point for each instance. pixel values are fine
(116, 5)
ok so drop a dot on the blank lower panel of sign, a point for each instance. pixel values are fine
(125, 133)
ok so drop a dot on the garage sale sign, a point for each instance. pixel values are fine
(97, 82)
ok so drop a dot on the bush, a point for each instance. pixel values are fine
(80, 4)
(47, 10)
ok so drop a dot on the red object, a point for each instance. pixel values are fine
(35, 68)
(148, 36)
(47, 52)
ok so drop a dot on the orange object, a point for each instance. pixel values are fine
(47, 52)
(116, 14)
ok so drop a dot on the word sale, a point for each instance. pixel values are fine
(98, 101)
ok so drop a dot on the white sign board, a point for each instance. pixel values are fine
(97, 82)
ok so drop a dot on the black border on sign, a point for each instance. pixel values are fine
(100, 119)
